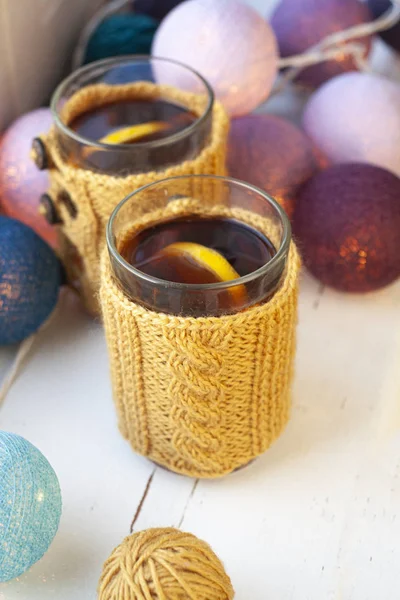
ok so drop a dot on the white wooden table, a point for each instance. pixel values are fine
(316, 518)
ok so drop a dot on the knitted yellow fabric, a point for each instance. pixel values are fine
(164, 564)
(202, 396)
(96, 195)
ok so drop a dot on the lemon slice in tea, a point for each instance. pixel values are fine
(133, 133)
(210, 260)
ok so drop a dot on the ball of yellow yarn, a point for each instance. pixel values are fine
(164, 564)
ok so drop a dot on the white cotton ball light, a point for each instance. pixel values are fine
(228, 43)
(355, 117)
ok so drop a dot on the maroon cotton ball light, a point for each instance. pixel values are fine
(272, 154)
(347, 223)
(300, 24)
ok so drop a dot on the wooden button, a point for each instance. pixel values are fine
(66, 199)
(39, 154)
(48, 210)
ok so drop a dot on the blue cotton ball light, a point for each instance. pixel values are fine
(30, 279)
(118, 35)
(30, 505)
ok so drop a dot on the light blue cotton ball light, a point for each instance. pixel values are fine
(30, 505)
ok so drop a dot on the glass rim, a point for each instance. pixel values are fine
(280, 255)
(127, 59)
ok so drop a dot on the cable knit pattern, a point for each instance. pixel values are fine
(202, 396)
(195, 363)
(96, 195)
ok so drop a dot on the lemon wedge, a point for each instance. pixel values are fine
(133, 132)
(212, 261)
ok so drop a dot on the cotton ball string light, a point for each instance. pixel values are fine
(356, 117)
(157, 9)
(228, 43)
(30, 505)
(272, 154)
(119, 35)
(390, 36)
(164, 564)
(21, 183)
(300, 24)
(347, 222)
(30, 278)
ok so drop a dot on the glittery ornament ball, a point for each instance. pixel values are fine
(21, 183)
(390, 36)
(273, 154)
(157, 9)
(228, 43)
(347, 224)
(164, 564)
(30, 278)
(118, 35)
(356, 118)
(30, 505)
(301, 24)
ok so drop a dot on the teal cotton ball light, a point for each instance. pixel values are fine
(30, 505)
(118, 35)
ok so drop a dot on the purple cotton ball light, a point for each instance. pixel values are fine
(21, 183)
(272, 154)
(300, 24)
(347, 223)
(228, 43)
(356, 118)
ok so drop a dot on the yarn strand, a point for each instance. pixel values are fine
(22, 353)
(16, 366)
(334, 45)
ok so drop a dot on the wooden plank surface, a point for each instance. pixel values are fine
(315, 517)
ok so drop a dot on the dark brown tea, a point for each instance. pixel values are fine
(244, 248)
(195, 250)
(163, 119)
(133, 123)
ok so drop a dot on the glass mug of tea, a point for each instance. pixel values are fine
(118, 124)
(198, 295)
(132, 115)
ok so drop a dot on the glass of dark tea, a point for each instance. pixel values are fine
(132, 115)
(198, 246)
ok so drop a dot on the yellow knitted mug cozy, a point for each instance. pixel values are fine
(164, 564)
(202, 396)
(83, 199)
